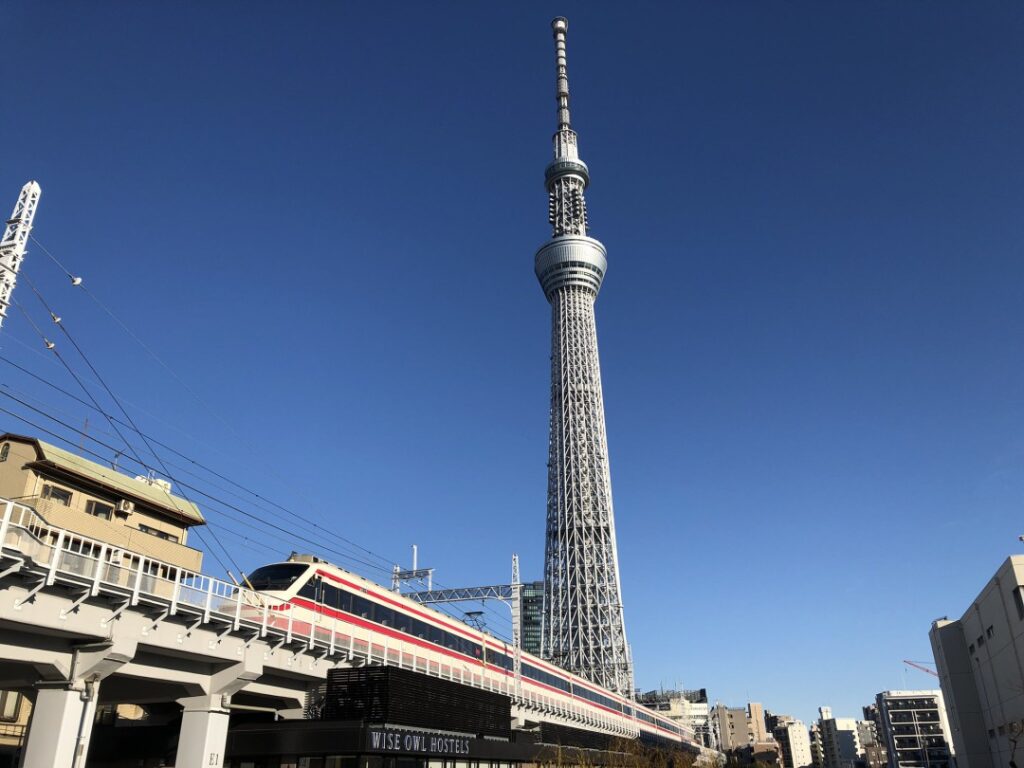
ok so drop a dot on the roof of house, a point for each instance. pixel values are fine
(141, 490)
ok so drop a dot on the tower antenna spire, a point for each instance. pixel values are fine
(560, 26)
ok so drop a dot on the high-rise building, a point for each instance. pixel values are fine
(729, 727)
(794, 743)
(532, 615)
(756, 725)
(980, 658)
(584, 629)
(817, 749)
(915, 729)
(872, 740)
(840, 742)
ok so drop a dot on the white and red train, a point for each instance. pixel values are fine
(350, 612)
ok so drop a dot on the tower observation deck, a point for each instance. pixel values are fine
(584, 630)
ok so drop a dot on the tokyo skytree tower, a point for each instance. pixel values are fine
(584, 630)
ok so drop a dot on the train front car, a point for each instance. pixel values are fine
(269, 594)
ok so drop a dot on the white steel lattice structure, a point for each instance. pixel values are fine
(584, 630)
(14, 241)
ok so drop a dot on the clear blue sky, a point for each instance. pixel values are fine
(324, 218)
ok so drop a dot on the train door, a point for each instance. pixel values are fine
(318, 591)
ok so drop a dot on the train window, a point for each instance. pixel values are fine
(437, 635)
(276, 577)
(419, 628)
(402, 622)
(329, 595)
(344, 601)
(309, 590)
(361, 606)
(385, 616)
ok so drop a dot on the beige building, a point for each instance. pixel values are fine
(135, 516)
(980, 658)
(756, 723)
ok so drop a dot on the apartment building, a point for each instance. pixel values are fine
(729, 726)
(915, 729)
(794, 743)
(840, 742)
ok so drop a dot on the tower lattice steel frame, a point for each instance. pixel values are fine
(584, 630)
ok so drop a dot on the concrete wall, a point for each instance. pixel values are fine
(15, 481)
(981, 670)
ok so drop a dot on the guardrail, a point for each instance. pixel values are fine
(97, 567)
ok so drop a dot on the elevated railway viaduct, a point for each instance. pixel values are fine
(83, 623)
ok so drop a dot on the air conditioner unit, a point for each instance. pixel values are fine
(125, 507)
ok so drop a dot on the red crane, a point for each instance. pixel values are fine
(916, 665)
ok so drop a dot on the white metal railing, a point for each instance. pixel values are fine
(97, 567)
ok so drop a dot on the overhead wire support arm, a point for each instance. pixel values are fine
(510, 594)
(465, 594)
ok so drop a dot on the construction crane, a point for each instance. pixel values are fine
(14, 240)
(920, 666)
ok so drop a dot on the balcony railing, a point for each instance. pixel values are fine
(16, 731)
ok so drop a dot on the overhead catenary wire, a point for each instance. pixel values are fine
(77, 281)
(52, 347)
(24, 401)
(148, 467)
(500, 615)
(194, 462)
(443, 608)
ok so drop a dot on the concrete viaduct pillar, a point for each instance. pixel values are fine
(204, 732)
(204, 719)
(61, 725)
(63, 714)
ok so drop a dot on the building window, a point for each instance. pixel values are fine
(10, 706)
(970, 649)
(158, 533)
(59, 495)
(4, 450)
(980, 641)
(989, 632)
(99, 509)
(1018, 600)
